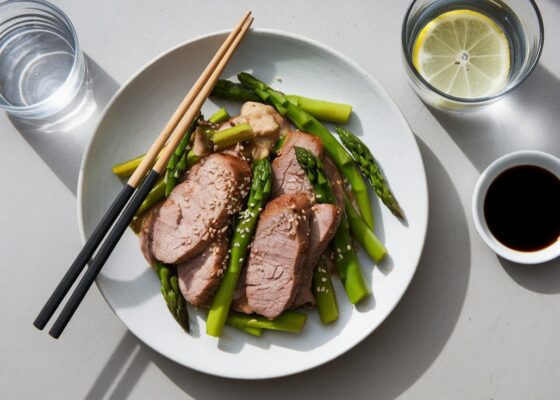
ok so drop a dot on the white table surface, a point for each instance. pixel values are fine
(471, 326)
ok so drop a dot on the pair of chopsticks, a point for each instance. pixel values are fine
(136, 189)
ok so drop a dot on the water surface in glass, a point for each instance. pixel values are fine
(41, 65)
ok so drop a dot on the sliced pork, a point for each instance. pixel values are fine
(145, 234)
(200, 276)
(323, 224)
(199, 208)
(289, 177)
(239, 301)
(278, 253)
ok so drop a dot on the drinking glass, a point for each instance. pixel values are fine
(521, 22)
(42, 68)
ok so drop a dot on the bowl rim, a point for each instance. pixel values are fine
(333, 52)
(524, 157)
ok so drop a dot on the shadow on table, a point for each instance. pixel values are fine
(123, 370)
(525, 119)
(61, 139)
(542, 278)
(386, 364)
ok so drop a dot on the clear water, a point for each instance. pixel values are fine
(498, 11)
(35, 62)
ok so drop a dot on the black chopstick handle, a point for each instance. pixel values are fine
(103, 254)
(83, 257)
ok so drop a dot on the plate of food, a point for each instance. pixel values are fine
(290, 220)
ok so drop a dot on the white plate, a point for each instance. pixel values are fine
(295, 65)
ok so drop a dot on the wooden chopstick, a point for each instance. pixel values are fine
(183, 108)
(176, 127)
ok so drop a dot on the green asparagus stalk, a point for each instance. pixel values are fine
(308, 123)
(177, 164)
(347, 264)
(233, 91)
(245, 227)
(324, 293)
(370, 169)
(156, 194)
(175, 301)
(240, 321)
(288, 321)
(344, 256)
(192, 158)
(219, 116)
(127, 168)
(365, 236)
(321, 109)
(231, 136)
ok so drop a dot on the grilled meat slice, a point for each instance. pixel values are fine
(289, 177)
(278, 253)
(199, 208)
(323, 224)
(200, 276)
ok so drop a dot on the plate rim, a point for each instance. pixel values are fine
(331, 51)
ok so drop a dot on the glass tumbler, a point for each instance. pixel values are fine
(521, 23)
(41, 65)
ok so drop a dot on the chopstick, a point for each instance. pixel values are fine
(137, 187)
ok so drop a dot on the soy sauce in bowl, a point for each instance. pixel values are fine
(522, 208)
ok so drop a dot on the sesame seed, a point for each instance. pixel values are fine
(323, 279)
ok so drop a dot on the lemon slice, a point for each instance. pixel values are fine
(463, 53)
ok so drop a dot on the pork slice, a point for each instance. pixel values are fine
(331, 171)
(200, 276)
(240, 302)
(145, 234)
(323, 224)
(277, 255)
(289, 177)
(199, 208)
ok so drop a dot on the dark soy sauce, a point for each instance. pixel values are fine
(522, 208)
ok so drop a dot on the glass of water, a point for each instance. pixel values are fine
(464, 54)
(42, 68)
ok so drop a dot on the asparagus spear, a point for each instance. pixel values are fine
(321, 109)
(260, 191)
(365, 236)
(219, 116)
(177, 164)
(324, 110)
(231, 136)
(324, 293)
(170, 290)
(127, 168)
(240, 321)
(308, 123)
(345, 258)
(370, 169)
(156, 194)
(233, 91)
(288, 321)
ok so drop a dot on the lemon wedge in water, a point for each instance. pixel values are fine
(463, 53)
